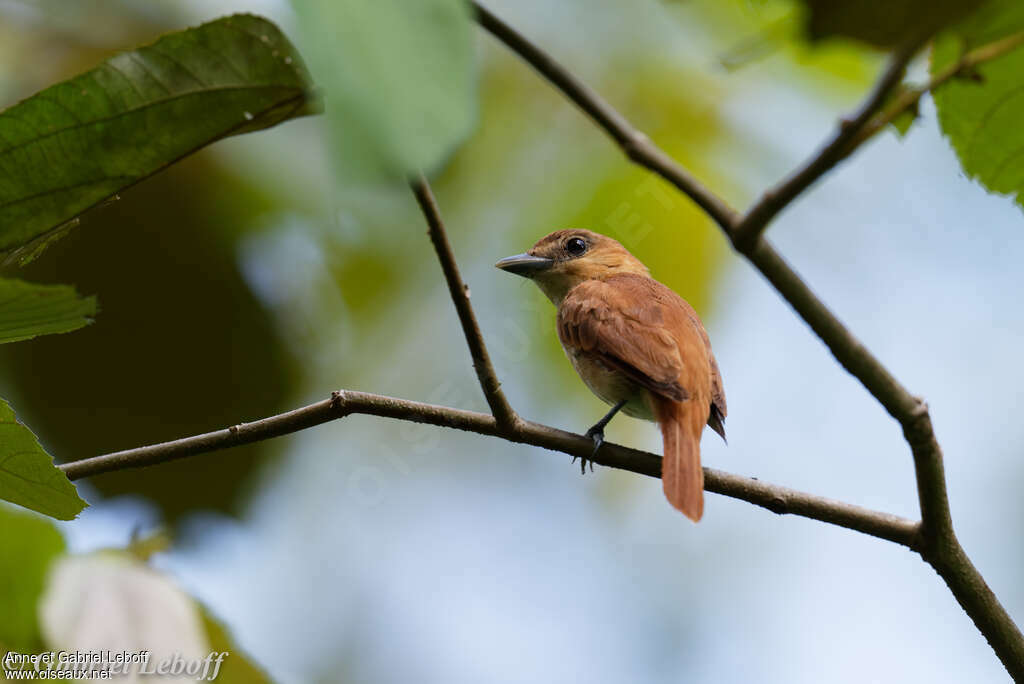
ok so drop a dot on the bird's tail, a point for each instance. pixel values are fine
(681, 475)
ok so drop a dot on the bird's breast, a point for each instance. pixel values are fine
(611, 385)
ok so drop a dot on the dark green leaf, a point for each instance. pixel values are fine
(79, 142)
(981, 112)
(399, 80)
(30, 544)
(163, 260)
(27, 474)
(883, 23)
(28, 310)
(994, 20)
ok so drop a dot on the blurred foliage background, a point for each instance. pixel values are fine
(248, 279)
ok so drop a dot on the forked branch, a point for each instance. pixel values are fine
(908, 100)
(940, 546)
(459, 292)
(757, 218)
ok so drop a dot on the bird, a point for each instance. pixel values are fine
(636, 344)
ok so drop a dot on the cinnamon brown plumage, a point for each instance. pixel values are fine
(636, 344)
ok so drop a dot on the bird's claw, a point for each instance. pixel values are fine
(583, 464)
(597, 435)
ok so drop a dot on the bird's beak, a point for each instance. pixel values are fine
(525, 265)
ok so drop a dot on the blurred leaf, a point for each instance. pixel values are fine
(184, 347)
(109, 600)
(982, 115)
(30, 545)
(399, 78)
(73, 145)
(994, 20)
(760, 45)
(28, 310)
(237, 668)
(27, 474)
(112, 600)
(143, 547)
(883, 23)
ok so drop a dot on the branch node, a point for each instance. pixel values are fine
(513, 428)
(635, 144)
(757, 218)
(920, 408)
(459, 292)
(337, 399)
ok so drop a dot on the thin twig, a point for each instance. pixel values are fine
(940, 546)
(459, 291)
(757, 218)
(908, 100)
(344, 403)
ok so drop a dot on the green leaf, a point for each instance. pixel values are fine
(981, 115)
(30, 545)
(902, 123)
(994, 20)
(882, 23)
(399, 81)
(237, 668)
(73, 145)
(27, 474)
(28, 310)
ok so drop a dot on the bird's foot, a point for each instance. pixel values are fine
(596, 434)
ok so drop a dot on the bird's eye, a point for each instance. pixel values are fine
(575, 246)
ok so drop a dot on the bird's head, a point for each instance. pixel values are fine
(564, 259)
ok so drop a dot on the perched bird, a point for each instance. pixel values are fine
(636, 344)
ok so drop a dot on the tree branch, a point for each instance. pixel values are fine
(909, 99)
(345, 403)
(940, 546)
(838, 148)
(459, 291)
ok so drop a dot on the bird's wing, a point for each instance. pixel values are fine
(637, 326)
(716, 419)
